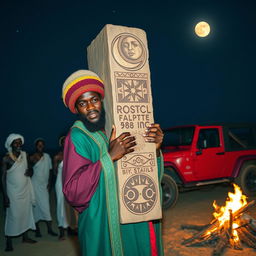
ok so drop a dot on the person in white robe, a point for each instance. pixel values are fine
(18, 192)
(65, 213)
(61, 209)
(42, 165)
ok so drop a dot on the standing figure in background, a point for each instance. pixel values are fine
(64, 210)
(42, 166)
(18, 191)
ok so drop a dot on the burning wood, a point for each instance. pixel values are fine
(230, 227)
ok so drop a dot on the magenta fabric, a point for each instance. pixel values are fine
(80, 177)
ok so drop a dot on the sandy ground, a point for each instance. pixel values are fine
(194, 207)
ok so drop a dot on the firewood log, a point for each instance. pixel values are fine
(243, 209)
(245, 239)
(195, 227)
(201, 233)
(252, 228)
(249, 235)
(222, 243)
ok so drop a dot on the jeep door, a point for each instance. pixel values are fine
(209, 155)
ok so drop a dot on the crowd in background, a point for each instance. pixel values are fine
(27, 181)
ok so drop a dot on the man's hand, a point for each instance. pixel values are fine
(29, 172)
(154, 134)
(6, 202)
(120, 146)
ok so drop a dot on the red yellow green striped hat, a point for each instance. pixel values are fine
(78, 83)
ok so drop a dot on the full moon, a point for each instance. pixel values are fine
(202, 29)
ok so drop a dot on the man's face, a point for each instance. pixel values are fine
(16, 145)
(89, 106)
(40, 146)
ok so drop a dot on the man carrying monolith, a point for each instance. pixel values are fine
(89, 175)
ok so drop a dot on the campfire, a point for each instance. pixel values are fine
(230, 227)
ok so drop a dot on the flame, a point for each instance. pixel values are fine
(234, 202)
(234, 233)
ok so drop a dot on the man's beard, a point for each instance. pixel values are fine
(94, 127)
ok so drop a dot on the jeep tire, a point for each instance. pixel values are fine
(247, 179)
(170, 191)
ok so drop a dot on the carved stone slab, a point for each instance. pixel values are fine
(119, 55)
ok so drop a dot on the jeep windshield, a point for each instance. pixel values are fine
(181, 136)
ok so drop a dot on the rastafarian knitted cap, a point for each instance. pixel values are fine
(78, 83)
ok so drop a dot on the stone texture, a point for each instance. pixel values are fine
(119, 55)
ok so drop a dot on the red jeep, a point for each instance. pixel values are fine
(198, 155)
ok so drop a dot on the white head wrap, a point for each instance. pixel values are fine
(11, 138)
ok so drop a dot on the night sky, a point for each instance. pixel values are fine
(194, 80)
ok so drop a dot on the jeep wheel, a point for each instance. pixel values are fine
(170, 191)
(247, 179)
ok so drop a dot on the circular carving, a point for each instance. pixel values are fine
(139, 194)
(128, 51)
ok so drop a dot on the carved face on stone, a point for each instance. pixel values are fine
(131, 48)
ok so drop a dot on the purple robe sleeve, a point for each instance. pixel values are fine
(80, 177)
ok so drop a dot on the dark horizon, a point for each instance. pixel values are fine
(194, 80)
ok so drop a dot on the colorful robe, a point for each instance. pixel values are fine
(89, 184)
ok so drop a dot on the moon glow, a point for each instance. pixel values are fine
(202, 29)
